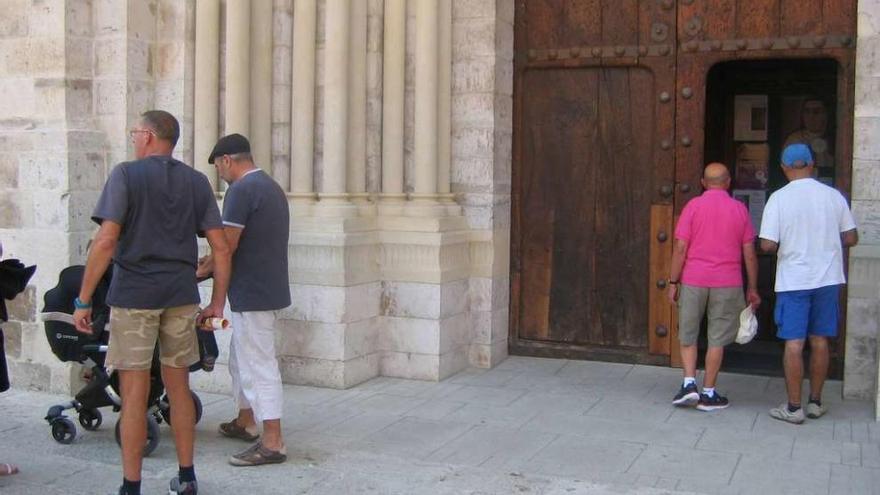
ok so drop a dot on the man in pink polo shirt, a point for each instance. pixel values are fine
(713, 235)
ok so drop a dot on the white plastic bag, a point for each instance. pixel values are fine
(748, 326)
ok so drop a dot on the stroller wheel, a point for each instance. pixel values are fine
(63, 431)
(165, 408)
(198, 406)
(153, 435)
(90, 419)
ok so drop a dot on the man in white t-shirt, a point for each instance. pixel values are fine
(807, 224)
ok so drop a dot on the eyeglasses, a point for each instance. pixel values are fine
(132, 133)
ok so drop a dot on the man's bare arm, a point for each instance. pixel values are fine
(100, 255)
(849, 238)
(751, 261)
(679, 250)
(222, 266)
(206, 264)
(769, 246)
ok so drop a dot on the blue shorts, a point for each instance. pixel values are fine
(800, 313)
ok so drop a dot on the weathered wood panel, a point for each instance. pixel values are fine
(620, 22)
(756, 18)
(624, 187)
(659, 341)
(801, 17)
(561, 23)
(586, 189)
(559, 145)
(589, 164)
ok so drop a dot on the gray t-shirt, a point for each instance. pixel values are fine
(162, 205)
(258, 205)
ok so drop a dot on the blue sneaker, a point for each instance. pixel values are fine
(687, 396)
(712, 403)
(178, 487)
(122, 491)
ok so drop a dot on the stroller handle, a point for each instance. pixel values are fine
(58, 316)
(63, 318)
(94, 348)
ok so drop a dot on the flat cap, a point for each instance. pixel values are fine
(230, 145)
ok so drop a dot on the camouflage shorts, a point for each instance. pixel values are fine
(133, 335)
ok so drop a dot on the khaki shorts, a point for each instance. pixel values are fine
(723, 304)
(133, 335)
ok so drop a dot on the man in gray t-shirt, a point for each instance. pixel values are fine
(150, 212)
(256, 222)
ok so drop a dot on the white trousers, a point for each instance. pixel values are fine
(256, 379)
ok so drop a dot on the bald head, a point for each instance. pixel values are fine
(716, 176)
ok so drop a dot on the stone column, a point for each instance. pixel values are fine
(282, 76)
(302, 120)
(426, 84)
(861, 372)
(329, 335)
(207, 85)
(261, 84)
(238, 21)
(357, 103)
(393, 77)
(444, 100)
(336, 100)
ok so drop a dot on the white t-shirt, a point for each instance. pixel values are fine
(806, 218)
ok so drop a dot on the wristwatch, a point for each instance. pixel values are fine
(78, 304)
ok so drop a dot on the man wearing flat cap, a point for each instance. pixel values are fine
(807, 224)
(256, 224)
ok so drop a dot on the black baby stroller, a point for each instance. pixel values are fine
(102, 388)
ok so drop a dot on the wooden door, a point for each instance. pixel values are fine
(715, 31)
(608, 146)
(593, 166)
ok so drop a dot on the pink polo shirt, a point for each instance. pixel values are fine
(715, 226)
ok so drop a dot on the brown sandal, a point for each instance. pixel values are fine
(8, 469)
(234, 430)
(257, 455)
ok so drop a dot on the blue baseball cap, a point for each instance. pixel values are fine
(797, 152)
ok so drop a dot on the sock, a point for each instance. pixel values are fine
(793, 407)
(818, 402)
(709, 391)
(131, 487)
(186, 474)
(689, 380)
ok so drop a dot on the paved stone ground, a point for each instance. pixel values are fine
(529, 426)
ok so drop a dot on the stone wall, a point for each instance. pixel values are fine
(75, 74)
(863, 311)
(408, 290)
(394, 292)
(482, 124)
(52, 163)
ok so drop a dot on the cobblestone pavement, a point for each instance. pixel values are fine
(529, 426)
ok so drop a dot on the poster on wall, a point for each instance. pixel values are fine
(754, 199)
(752, 160)
(810, 120)
(750, 118)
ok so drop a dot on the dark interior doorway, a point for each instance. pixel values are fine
(753, 109)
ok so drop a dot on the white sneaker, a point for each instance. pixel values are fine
(815, 411)
(783, 414)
